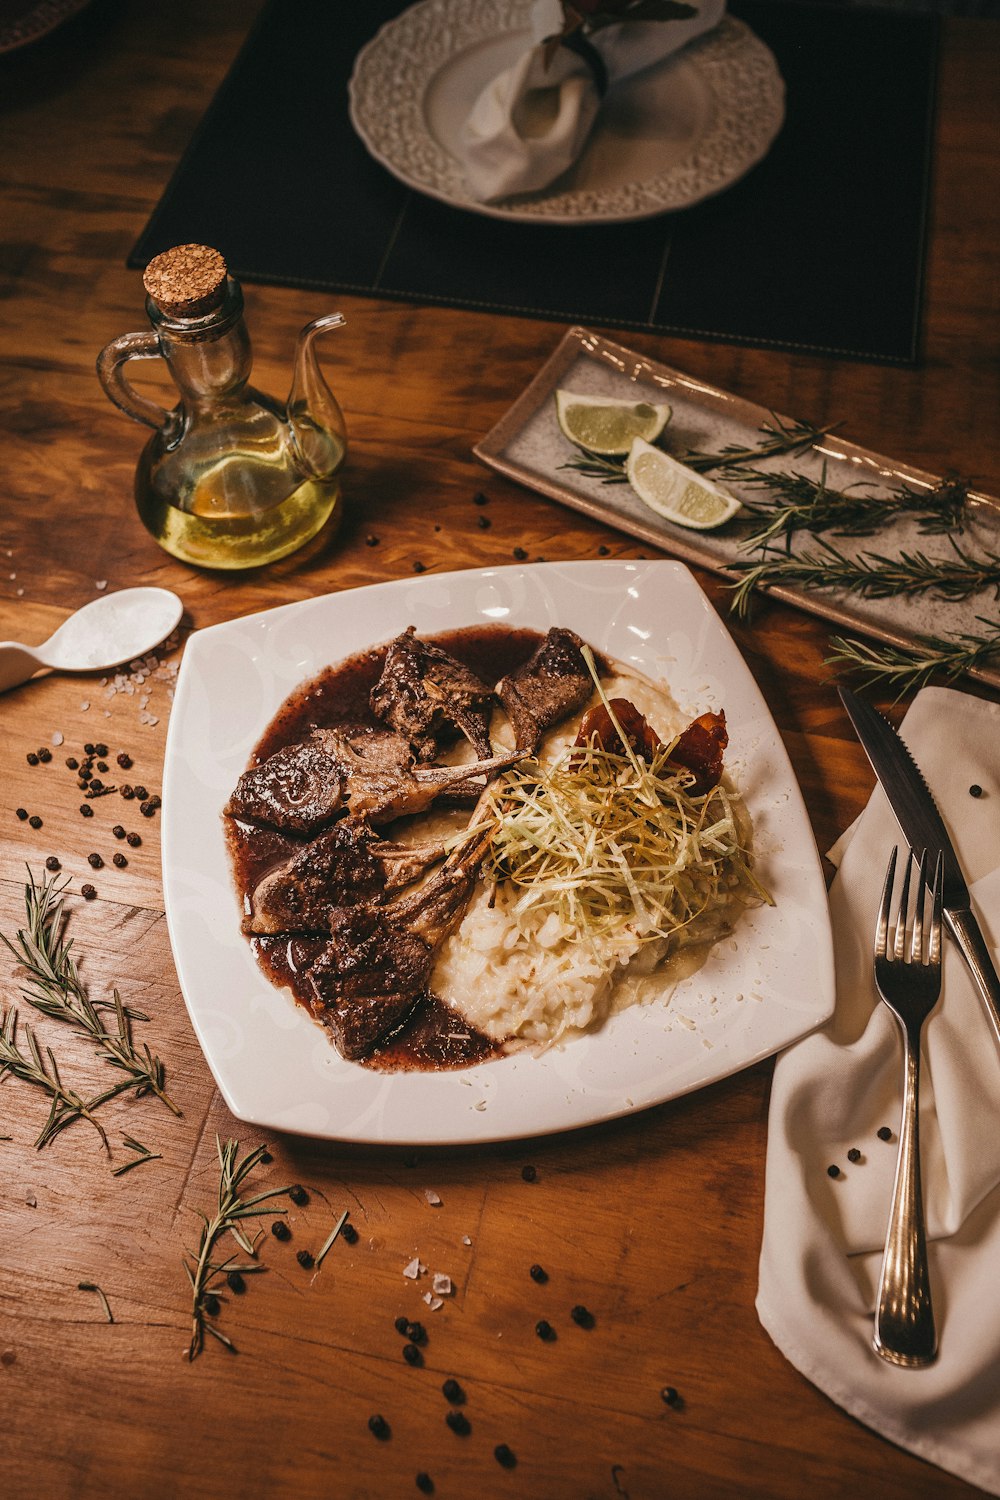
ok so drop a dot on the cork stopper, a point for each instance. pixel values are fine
(186, 282)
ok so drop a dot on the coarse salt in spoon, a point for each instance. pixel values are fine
(114, 628)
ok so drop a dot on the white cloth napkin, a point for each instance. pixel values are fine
(529, 124)
(823, 1237)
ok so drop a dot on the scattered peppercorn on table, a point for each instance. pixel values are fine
(555, 1318)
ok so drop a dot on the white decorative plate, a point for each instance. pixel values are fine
(665, 138)
(766, 986)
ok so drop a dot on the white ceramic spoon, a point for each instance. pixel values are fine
(111, 629)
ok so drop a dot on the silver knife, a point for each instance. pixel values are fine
(922, 826)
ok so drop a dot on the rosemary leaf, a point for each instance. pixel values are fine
(143, 1155)
(796, 502)
(331, 1238)
(776, 437)
(91, 1286)
(931, 656)
(65, 1105)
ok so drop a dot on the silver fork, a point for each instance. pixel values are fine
(910, 985)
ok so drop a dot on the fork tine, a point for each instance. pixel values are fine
(934, 941)
(917, 939)
(904, 906)
(882, 925)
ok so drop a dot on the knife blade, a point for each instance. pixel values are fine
(923, 828)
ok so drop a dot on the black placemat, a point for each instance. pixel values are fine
(819, 248)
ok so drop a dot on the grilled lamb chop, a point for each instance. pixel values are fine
(551, 684)
(345, 866)
(424, 693)
(376, 965)
(304, 787)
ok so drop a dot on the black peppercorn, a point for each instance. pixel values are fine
(603, 551)
(416, 1333)
(119, 860)
(419, 567)
(424, 1483)
(86, 811)
(670, 1396)
(304, 1258)
(96, 784)
(44, 755)
(34, 821)
(452, 1391)
(89, 749)
(504, 1456)
(280, 1230)
(84, 777)
(412, 1354)
(298, 1195)
(371, 540)
(520, 554)
(102, 766)
(95, 861)
(147, 809)
(22, 813)
(118, 831)
(458, 1422)
(266, 1158)
(480, 499)
(141, 793)
(539, 1274)
(211, 1305)
(349, 1233)
(124, 760)
(31, 758)
(833, 1171)
(484, 523)
(582, 1316)
(379, 1428)
(884, 1133)
(529, 1174)
(88, 892)
(236, 1283)
(854, 1154)
(545, 1330)
(975, 790)
(101, 749)
(128, 792)
(72, 763)
(133, 840)
(52, 863)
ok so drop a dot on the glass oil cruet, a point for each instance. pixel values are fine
(229, 478)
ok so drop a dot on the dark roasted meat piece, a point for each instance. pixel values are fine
(304, 787)
(345, 866)
(377, 962)
(598, 725)
(426, 695)
(298, 789)
(700, 750)
(551, 684)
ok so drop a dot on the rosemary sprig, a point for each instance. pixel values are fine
(871, 574)
(946, 656)
(54, 988)
(777, 437)
(797, 502)
(43, 1072)
(331, 1238)
(143, 1155)
(231, 1211)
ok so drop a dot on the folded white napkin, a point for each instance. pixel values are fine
(823, 1236)
(529, 124)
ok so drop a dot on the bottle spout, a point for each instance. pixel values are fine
(317, 423)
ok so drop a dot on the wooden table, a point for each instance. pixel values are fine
(653, 1222)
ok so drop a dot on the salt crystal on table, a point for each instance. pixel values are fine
(101, 583)
(466, 1240)
(414, 1269)
(441, 1285)
(58, 738)
(432, 1198)
(433, 1302)
(84, 706)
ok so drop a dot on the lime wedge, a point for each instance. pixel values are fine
(676, 492)
(607, 425)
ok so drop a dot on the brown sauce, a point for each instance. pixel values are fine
(433, 1037)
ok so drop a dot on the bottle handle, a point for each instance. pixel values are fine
(110, 370)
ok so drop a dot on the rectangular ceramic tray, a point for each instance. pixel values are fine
(527, 446)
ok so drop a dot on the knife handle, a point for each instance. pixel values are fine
(969, 936)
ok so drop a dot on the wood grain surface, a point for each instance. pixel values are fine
(652, 1222)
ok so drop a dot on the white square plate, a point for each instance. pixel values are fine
(766, 986)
